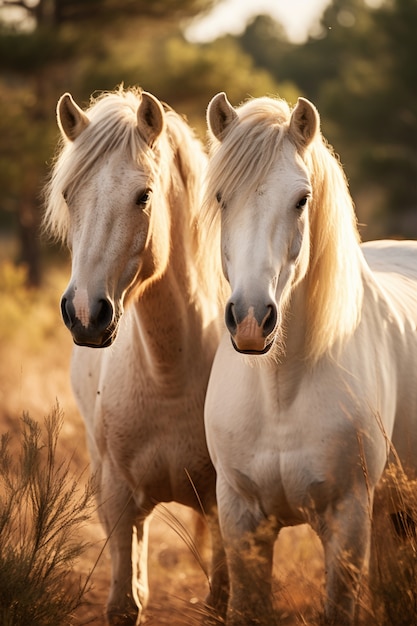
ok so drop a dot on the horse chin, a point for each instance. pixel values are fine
(104, 340)
(88, 344)
(264, 350)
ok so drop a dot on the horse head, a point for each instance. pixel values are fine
(110, 181)
(259, 176)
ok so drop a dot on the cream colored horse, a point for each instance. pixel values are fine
(319, 374)
(124, 195)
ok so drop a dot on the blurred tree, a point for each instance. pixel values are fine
(374, 97)
(183, 74)
(266, 41)
(393, 113)
(38, 13)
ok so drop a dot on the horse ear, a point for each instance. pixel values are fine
(304, 123)
(150, 117)
(71, 119)
(220, 114)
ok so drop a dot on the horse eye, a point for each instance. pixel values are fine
(301, 203)
(220, 200)
(143, 198)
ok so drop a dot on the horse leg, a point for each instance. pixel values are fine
(218, 596)
(345, 531)
(128, 542)
(249, 538)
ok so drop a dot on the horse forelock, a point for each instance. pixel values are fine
(334, 282)
(247, 151)
(240, 161)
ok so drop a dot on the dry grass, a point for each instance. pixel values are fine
(393, 578)
(41, 514)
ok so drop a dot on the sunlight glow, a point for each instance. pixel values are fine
(231, 16)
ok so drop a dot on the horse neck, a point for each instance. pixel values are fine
(173, 333)
(176, 315)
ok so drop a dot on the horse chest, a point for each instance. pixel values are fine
(291, 473)
(288, 457)
(151, 437)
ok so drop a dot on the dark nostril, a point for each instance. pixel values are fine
(102, 313)
(67, 312)
(230, 317)
(270, 320)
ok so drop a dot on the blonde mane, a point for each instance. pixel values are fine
(248, 150)
(333, 276)
(178, 162)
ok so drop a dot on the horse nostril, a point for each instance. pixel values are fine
(67, 312)
(230, 317)
(270, 320)
(102, 313)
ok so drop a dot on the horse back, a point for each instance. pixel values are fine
(394, 268)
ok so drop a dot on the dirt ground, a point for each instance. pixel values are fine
(33, 379)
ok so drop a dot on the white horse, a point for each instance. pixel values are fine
(302, 433)
(124, 195)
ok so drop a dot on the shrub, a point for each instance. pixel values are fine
(41, 512)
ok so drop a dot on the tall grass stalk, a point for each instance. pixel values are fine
(394, 583)
(42, 510)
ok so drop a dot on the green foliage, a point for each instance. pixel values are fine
(26, 52)
(266, 41)
(57, 12)
(378, 106)
(41, 513)
(183, 74)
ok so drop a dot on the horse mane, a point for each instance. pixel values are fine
(247, 151)
(178, 160)
(191, 162)
(332, 276)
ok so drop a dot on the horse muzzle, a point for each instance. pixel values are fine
(91, 323)
(251, 330)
